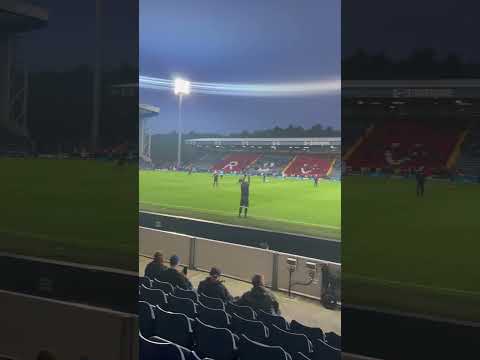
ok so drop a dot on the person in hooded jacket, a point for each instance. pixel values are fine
(259, 297)
(212, 286)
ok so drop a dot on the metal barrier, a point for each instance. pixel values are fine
(241, 261)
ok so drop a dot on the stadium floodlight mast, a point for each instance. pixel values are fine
(182, 87)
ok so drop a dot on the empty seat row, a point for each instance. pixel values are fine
(192, 305)
(211, 343)
(187, 332)
(157, 348)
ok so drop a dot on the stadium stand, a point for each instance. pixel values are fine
(336, 169)
(270, 164)
(236, 163)
(214, 334)
(469, 162)
(207, 161)
(355, 132)
(309, 165)
(257, 156)
(406, 145)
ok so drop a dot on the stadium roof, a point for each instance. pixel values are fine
(20, 16)
(444, 88)
(313, 141)
(148, 110)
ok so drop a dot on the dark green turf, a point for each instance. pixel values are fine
(74, 210)
(281, 205)
(412, 254)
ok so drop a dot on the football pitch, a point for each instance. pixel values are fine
(75, 210)
(285, 205)
(411, 254)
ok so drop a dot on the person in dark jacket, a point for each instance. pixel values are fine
(212, 286)
(259, 297)
(155, 267)
(420, 177)
(175, 277)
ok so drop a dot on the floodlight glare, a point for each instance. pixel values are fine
(182, 87)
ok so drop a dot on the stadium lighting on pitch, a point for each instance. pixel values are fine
(182, 87)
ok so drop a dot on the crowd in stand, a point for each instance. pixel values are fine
(258, 297)
(178, 322)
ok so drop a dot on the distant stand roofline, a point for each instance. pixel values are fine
(149, 109)
(440, 83)
(307, 141)
(21, 16)
(412, 89)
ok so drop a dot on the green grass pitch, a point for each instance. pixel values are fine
(75, 210)
(411, 254)
(288, 205)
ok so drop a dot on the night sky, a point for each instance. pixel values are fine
(398, 27)
(247, 41)
(241, 42)
(69, 38)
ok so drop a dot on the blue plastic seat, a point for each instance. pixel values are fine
(145, 318)
(162, 285)
(182, 305)
(189, 294)
(213, 317)
(311, 332)
(173, 327)
(291, 342)
(270, 319)
(255, 330)
(187, 353)
(323, 351)
(216, 343)
(211, 302)
(249, 349)
(145, 280)
(152, 350)
(245, 312)
(153, 296)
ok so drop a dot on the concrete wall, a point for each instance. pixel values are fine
(238, 261)
(72, 332)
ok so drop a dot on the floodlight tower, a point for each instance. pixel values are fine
(182, 87)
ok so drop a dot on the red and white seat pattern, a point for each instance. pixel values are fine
(235, 163)
(406, 145)
(309, 165)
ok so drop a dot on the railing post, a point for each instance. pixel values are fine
(191, 260)
(275, 272)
